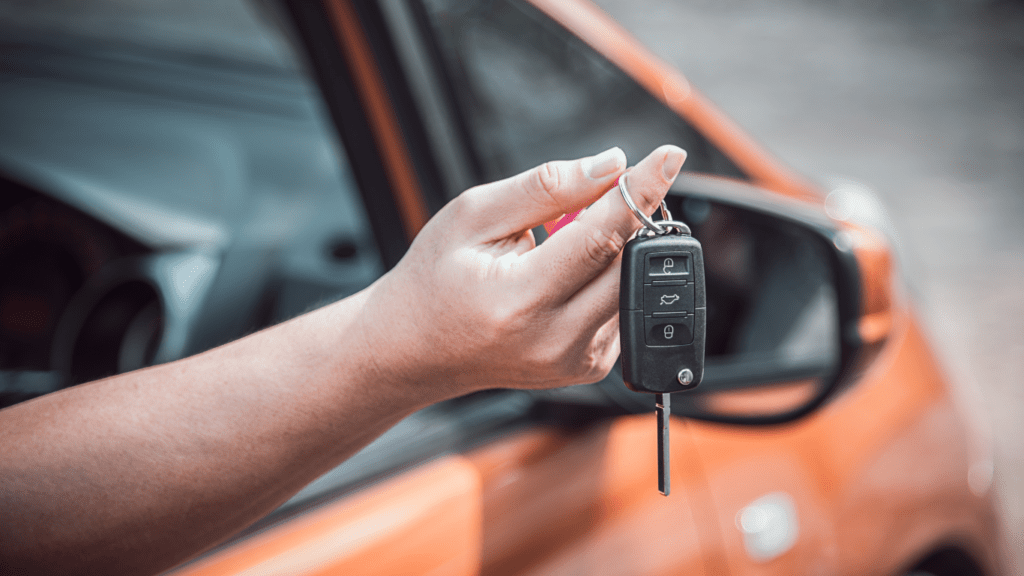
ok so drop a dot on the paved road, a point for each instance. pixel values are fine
(924, 102)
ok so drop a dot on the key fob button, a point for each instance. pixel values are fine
(668, 266)
(673, 299)
(668, 330)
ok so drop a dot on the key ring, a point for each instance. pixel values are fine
(667, 226)
(651, 225)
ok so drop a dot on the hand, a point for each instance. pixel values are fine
(476, 304)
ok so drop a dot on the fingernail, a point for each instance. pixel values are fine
(674, 159)
(604, 163)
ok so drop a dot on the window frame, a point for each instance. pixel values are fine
(426, 50)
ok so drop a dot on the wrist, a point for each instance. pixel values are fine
(406, 353)
(377, 351)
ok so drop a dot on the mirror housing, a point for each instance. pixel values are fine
(816, 303)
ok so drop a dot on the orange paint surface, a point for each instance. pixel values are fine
(586, 502)
(878, 476)
(390, 142)
(877, 282)
(424, 522)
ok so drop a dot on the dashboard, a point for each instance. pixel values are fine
(48, 251)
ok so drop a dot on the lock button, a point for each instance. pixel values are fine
(669, 330)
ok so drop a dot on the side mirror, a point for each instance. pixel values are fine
(796, 303)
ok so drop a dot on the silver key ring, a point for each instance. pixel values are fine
(650, 224)
(667, 226)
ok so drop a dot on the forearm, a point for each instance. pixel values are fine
(140, 470)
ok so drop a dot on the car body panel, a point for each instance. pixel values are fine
(543, 501)
(878, 476)
(427, 521)
(561, 502)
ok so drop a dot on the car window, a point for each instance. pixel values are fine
(235, 29)
(529, 91)
(143, 141)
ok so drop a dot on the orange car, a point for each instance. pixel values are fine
(823, 440)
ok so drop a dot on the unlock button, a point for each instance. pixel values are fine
(669, 330)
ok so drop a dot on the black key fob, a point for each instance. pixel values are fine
(662, 311)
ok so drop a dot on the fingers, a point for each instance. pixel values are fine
(597, 302)
(508, 207)
(597, 306)
(586, 247)
(608, 347)
(603, 352)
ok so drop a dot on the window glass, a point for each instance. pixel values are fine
(143, 130)
(530, 92)
(236, 29)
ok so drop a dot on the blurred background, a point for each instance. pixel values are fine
(923, 101)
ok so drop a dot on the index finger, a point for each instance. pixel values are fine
(585, 247)
(508, 207)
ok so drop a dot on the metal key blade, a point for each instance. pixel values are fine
(663, 408)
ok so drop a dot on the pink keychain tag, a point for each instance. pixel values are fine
(556, 225)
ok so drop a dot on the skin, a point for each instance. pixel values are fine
(136, 473)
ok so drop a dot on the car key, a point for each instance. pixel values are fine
(662, 316)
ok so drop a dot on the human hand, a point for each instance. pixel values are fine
(476, 304)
